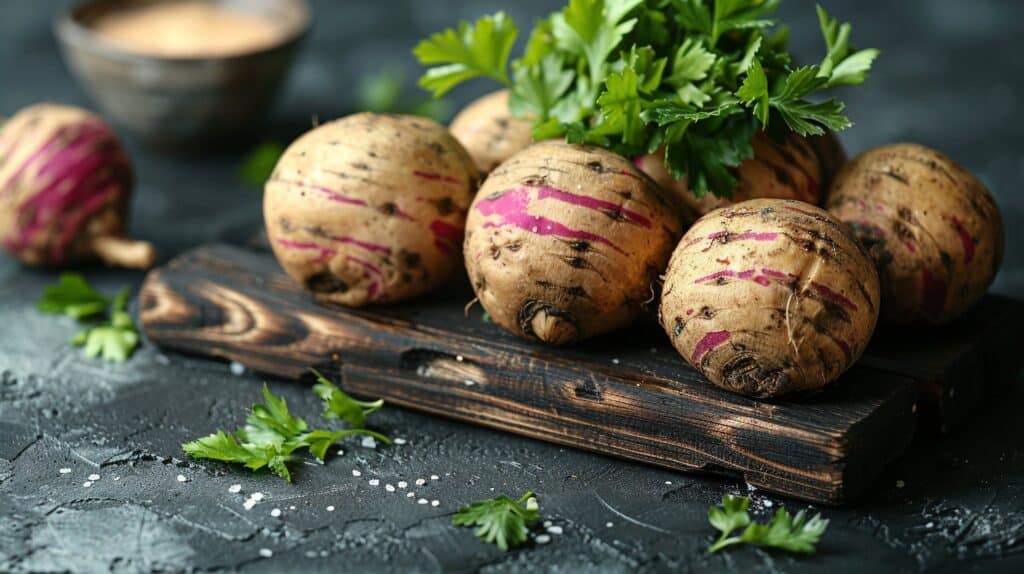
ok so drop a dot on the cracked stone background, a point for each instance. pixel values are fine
(950, 77)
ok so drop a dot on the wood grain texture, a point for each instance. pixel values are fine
(627, 394)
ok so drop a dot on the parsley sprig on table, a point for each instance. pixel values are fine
(697, 77)
(110, 331)
(272, 436)
(784, 532)
(338, 405)
(501, 521)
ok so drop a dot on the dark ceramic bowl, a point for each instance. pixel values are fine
(178, 102)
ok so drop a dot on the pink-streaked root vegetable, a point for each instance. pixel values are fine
(788, 170)
(565, 242)
(489, 131)
(769, 297)
(65, 187)
(370, 208)
(932, 228)
(831, 155)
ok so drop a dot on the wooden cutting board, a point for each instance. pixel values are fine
(627, 394)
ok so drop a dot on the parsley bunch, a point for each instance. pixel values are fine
(501, 521)
(792, 534)
(272, 435)
(697, 77)
(110, 331)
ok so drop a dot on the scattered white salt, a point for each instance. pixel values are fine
(459, 358)
(266, 552)
(356, 473)
(368, 442)
(65, 471)
(400, 441)
(181, 478)
(616, 361)
(402, 484)
(235, 488)
(340, 452)
(469, 382)
(900, 484)
(275, 512)
(547, 524)
(389, 487)
(422, 501)
(543, 539)
(87, 483)
(420, 481)
(310, 554)
(434, 477)
(237, 369)
(291, 508)
(330, 508)
(929, 525)
(435, 503)
(374, 481)
(94, 477)
(554, 530)
(117, 478)
(410, 495)
(609, 524)
(768, 504)
(668, 482)
(257, 496)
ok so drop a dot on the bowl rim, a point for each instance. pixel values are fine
(76, 34)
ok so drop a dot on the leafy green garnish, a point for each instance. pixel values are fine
(74, 297)
(501, 521)
(338, 405)
(796, 534)
(259, 165)
(697, 77)
(270, 438)
(112, 336)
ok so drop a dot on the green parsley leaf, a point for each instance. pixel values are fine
(338, 405)
(501, 521)
(480, 50)
(841, 67)
(538, 89)
(792, 534)
(114, 341)
(259, 165)
(269, 439)
(74, 297)
(754, 92)
(691, 64)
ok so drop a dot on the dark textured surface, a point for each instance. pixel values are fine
(951, 77)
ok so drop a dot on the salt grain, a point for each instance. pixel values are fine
(340, 452)
(389, 487)
(266, 552)
(356, 473)
(402, 484)
(368, 442)
(275, 512)
(420, 481)
(434, 477)
(257, 496)
(668, 482)
(422, 501)
(235, 488)
(181, 478)
(117, 478)
(435, 503)
(374, 481)
(87, 484)
(237, 369)
(768, 504)
(94, 477)
(291, 508)
(543, 539)
(609, 524)
(330, 509)
(65, 471)
(410, 495)
(554, 529)
(400, 441)
(547, 524)
(615, 361)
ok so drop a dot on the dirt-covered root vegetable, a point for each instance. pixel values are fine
(370, 208)
(65, 186)
(770, 296)
(931, 227)
(489, 131)
(565, 242)
(788, 170)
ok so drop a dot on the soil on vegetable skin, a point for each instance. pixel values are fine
(370, 208)
(770, 297)
(932, 229)
(565, 242)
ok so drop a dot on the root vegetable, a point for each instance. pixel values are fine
(931, 227)
(790, 170)
(564, 242)
(370, 208)
(769, 297)
(65, 187)
(489, 131)
(831, 155)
